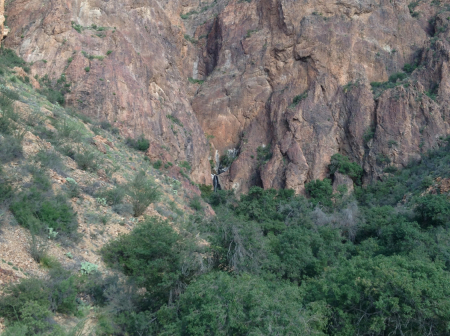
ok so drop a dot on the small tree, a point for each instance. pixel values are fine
(143, 191)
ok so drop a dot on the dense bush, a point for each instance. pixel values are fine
(140, 143)
(384, 295)
(152, 256)
(39, 210)
(320, 191)
(433, 210)
(340, 163)
(29, 305)
(221, 304)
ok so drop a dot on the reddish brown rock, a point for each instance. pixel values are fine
(342, 180)
(289, 75)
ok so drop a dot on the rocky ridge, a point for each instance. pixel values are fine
(294, 78)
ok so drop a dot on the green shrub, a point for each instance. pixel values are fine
(64, 291)
(9, 59)
(87, 69)
(195, 81)
(140, 143)
(123, 209)
(6, 189)
(10, 148)
(409, 68)
(433, 210)
(366, 294)
(157, 164)
(36, 318)
(16, 297)
(320, 191)
(7, 115)
(206, 190)
(72, 187)
(87, 160)
(150, 255)
(8, 93)
(174, 120)
(54, 91)
(185, 165)
(49, 261)
(50, 159)
(68, 129)
(297, 99)
(38, 245)
(340, 163)
(226, 161)
(398, 76)
(264, 154)
(143, 191)
(195, 203)
(32, 209)
(243, 305)
(114, 195)
(106, 125)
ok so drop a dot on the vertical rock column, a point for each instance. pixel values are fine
(2, 19)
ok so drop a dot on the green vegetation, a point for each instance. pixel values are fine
(340, 163)
(185, 165)
(9, 59)
(264, 154)
(174, 120)
(250, 32)
(54, 91)
(202, 10)
(143, 191)
(195, 81)
(297, 99)
(412, 6)
(396, 79)
(375, 262)
(190, 39)
(226, 160)
(140, 144)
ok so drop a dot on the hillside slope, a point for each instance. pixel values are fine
(69, 184)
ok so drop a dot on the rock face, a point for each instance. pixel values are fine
(2, 19)
(124, 61)
(290, 76)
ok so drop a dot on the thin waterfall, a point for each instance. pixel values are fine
(216, 183)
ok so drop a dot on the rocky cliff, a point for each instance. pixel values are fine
(284, 84)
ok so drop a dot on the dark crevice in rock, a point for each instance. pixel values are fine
(213, 47)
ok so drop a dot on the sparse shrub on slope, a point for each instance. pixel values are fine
(143, 191)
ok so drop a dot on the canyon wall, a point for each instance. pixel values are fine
(286, 84)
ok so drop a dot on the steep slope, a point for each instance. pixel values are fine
(123, 61)
(292, 79)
